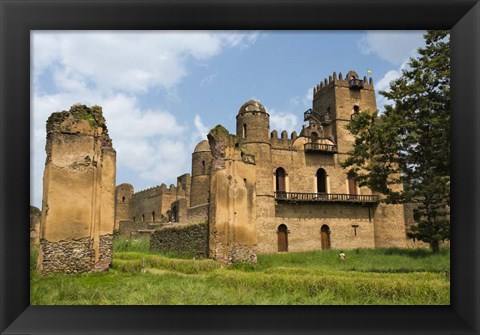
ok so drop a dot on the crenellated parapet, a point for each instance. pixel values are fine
(284, 141)
(351, 80)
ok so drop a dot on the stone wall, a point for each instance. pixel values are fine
(35, 219)
(127, 227)
(149, 205)
(73, 255)
(232, 213)
(78, 192)
(181, 239)
(198, 214)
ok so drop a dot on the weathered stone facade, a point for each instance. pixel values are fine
(189, 239)
(261, 192)
(78, 193)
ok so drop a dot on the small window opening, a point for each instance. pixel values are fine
(244, 134)
(123, 199)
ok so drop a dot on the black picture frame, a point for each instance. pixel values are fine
(19, 17)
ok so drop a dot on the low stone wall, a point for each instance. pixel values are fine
(67, 256)
(125, 228)
(182, 239)
(198, 214)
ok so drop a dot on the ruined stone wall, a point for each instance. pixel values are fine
(78, 193)
(184, 186)
(189, 240)
(198, 214)
(149, 205)
(127, 227)
(35, 219)
(232, 213)
(181, 211)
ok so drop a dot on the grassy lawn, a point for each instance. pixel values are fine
(381, 276)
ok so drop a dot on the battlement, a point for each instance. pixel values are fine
(282, 142)
(352, 81)
(156, 190)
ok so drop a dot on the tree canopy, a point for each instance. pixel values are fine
(404, 153)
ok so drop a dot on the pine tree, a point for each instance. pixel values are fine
(409, 144)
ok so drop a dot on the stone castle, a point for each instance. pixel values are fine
(259, 192)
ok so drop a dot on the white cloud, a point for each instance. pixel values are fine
(393, 46)
(384, 85)
(128, 61)
(108, 68)
(283, 121)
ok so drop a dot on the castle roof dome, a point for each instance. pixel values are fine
(202, 146)
(252, 106)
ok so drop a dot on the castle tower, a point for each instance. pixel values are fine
(200, 181)
(123, 195)
(337, 100)
(253, 128)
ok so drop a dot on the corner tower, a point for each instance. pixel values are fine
(337, 100)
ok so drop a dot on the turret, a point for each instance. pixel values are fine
(253, 123)
(337, 101)
(200, 182)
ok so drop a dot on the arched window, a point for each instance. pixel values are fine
(244, 134)
(134, 219)
(356, 109)
(123, 199)
(203, 167)
(352, 184)
(321, 181)
(325, 237)
(143, 217)
(153, 216)
(280, 180)
(282, 236)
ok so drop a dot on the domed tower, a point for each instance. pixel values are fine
(253, 123)
(253, 128)
(123, 195)
(200, 182)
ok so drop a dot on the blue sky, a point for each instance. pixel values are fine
(161, 91)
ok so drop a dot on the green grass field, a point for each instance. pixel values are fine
(366, 277)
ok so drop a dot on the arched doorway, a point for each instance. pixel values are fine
(282, 235)
(321, 181)
(325, 237)
(280, 185)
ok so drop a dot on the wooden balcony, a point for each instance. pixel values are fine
(355, 83)
(320, 147)
(297, 197)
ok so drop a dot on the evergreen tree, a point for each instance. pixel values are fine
(404, 153)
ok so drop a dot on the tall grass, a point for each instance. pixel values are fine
(137, 244)
(390, 276)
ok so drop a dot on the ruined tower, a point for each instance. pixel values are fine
(78, 204)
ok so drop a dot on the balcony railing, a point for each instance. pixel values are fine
(355, 83)
(325, 197)
(320, 147)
